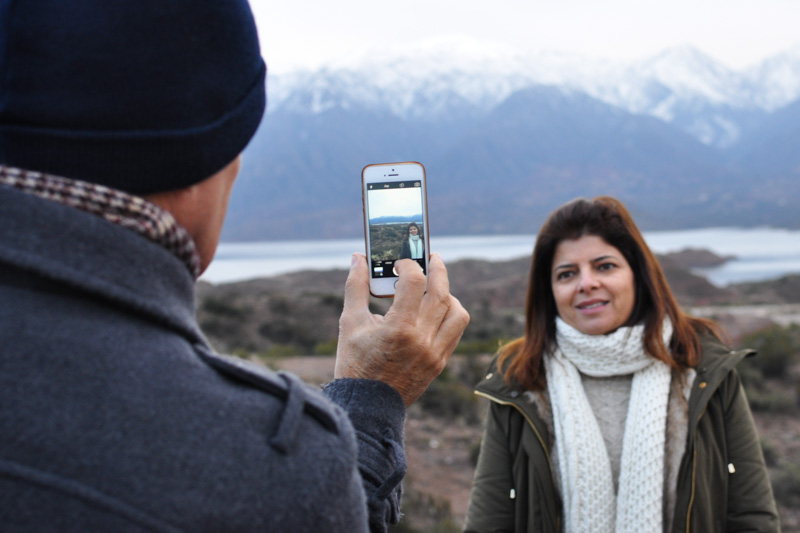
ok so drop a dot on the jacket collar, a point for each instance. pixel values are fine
(121, 208)
(534, 406)
(494, 384)
(94, 256)
(716, 362)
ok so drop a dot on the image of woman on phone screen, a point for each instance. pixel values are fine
(615, 411)
(413, 243)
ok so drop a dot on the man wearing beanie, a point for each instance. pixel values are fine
(121, 125)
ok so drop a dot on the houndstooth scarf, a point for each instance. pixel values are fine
(587, 487)
(116, 206)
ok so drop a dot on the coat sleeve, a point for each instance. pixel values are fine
(491, 508)
(377, 414)
(751, 504)
(405, 250)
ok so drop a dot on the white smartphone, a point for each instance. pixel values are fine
(395, 221)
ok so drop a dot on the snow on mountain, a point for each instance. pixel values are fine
(416, 80)
(776, 82)
(691, 74)
(474, 72)
(454, 74)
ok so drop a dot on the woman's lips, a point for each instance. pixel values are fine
(591, 305)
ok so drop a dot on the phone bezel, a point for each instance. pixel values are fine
(379, 173)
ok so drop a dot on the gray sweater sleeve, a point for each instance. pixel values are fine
(377, 413)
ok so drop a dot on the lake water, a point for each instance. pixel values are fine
(761, 253)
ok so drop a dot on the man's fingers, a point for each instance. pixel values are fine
(436, 303)
(451, 328)
(356, 289)
(410, 288)
(437, 275)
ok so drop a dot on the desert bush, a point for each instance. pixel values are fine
(327, 347)
(332, 300)
(450, 398)
(280, 304)
(445, 526)
(479, 346)
(771, 453)
(387, 240)
(240, 353)
(217, 306)
(786, 485)
(474, 452)
(751, 376)
(425, 513)
(777, 349)
(763, 374)
(771, 400)
(279, 350)
(288, 330)
(472, 369)
(220, 320)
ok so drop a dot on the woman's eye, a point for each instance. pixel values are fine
(563, 275)
(606, 266)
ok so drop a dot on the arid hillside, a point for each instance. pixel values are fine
(290, 322)
(297, 314)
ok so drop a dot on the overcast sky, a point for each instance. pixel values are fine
(309, 33)
(400, 202)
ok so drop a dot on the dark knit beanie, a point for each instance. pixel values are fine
(140, 95)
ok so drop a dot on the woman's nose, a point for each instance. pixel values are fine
(588, 282)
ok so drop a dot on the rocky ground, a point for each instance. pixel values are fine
(298, 313)
(278, 320)
(441, 453)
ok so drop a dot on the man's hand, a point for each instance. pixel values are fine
(409, 346)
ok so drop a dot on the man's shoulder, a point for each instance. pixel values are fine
(295, 395)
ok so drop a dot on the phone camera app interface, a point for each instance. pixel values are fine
(395, 225)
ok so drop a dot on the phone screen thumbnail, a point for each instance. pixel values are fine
(396, 225)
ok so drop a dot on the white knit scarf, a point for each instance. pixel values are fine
(590, 504)
(415, 246)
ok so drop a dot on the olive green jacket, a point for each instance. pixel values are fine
(722, 480)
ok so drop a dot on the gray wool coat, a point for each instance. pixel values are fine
(115, 415)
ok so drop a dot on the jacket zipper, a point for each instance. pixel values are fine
(535, 432)
(694, 471)
(527, 419)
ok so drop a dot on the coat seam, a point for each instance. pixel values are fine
(528, 420)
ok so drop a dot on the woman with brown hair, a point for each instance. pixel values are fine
(413, 243)
(615, 411)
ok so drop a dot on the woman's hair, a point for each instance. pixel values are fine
(607, 218)
(408, 229)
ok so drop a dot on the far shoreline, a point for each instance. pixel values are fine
(753, 248)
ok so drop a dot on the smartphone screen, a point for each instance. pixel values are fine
(396, 226)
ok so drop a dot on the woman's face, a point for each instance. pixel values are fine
(592, 284)
(413, 230)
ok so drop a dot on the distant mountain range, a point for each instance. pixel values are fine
(397, 219)
(506, 138)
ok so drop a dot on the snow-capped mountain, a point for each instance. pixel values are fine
(506, 137)
(776, 82)
(455, 75)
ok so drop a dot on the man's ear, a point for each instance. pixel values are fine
(201, 208)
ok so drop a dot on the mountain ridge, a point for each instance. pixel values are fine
(501, 166)
(679, 76)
